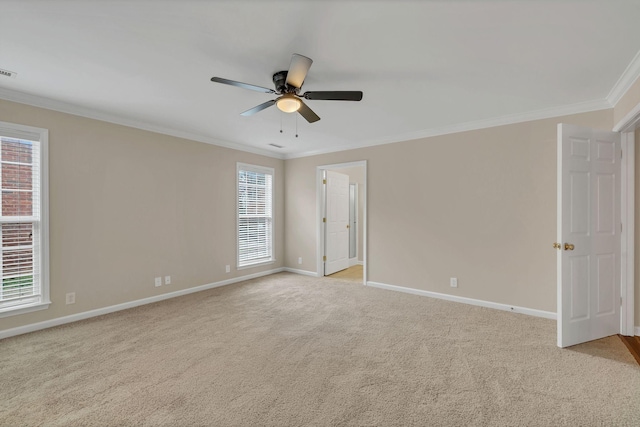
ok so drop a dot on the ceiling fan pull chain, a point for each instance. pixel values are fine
(280, 121)
(296, 125)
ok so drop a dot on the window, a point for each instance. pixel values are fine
(23, 219)
(255, 215)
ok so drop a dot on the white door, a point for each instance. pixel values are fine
(588, 234)
(337, 227)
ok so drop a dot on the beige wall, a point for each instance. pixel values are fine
(627, 103)
(128, 205)
(478, 205)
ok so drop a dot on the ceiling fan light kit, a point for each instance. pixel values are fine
(287, 85)
(288, 103)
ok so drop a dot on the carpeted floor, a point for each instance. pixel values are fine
(290, 350)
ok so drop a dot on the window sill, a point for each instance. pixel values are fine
(257, 264)
(22, 309)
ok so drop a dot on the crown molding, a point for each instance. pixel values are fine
(63, 107)
(547, 113)
(628, 77)
(629, 121)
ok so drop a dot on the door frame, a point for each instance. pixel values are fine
(627, 127)
(321, 207)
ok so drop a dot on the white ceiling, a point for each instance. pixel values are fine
(425, 67)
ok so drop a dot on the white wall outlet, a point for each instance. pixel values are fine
(227, 268)
(167, 280)
(453, 282)
(300, 260)
(158, 281)
(71, 298)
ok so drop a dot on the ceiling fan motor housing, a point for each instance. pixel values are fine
(280, 82)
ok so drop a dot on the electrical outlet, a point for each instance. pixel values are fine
(167, 280)
(71, 298)
(227, 268)
(453, 282)
(158, 281)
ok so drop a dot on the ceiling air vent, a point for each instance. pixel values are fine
(7, 73)
(277, 146)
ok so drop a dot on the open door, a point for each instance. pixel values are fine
(588, 234)
(337, 226)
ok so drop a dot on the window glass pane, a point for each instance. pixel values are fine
(254, 236)
(17, 203)
(17, 172)
(16, 176)
(17, 260)
(16, 150)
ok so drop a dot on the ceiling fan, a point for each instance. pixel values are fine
(288, 85)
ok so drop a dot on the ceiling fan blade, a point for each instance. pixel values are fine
(298, 70)
(334, 95)
(258, 108)
(242, 85)
(307, 113)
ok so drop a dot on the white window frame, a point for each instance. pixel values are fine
(263, 170)
(41, 253)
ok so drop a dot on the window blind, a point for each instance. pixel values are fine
(255, 215)
(19, 221)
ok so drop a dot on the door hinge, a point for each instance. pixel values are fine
(621, 227)
(324, 181)
(324, 219)
(324, 258)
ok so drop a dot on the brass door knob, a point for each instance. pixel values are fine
(557, 246)
(347, 225)
(568, 247)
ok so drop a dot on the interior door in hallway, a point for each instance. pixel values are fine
(588, 234)
(337, 224)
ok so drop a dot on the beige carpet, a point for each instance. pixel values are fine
(289, 350)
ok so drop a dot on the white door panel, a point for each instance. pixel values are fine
(337, 230)
(588, 219)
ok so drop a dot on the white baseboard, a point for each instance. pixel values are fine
(637, 331)
(464, 300)
(303, 272)
(118, 307)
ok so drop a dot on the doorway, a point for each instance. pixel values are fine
(355, 239)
